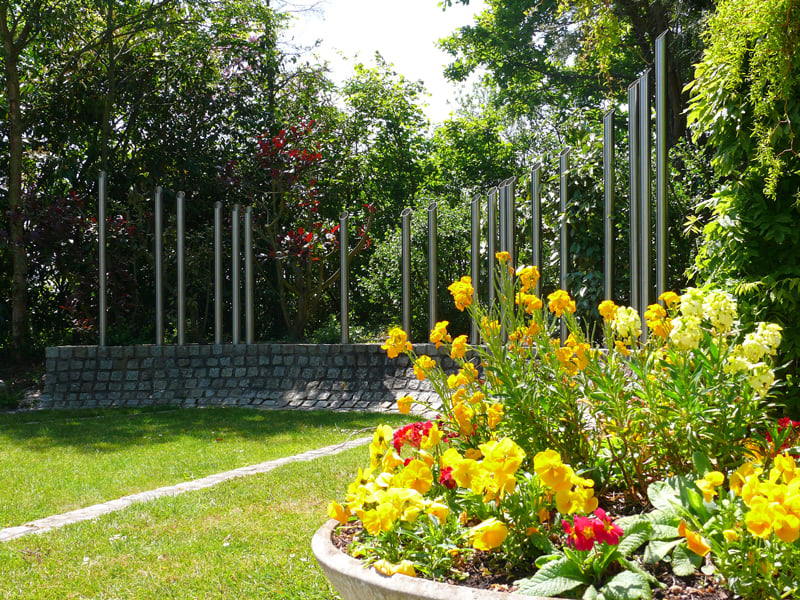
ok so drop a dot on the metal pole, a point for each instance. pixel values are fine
(158, 226)
(536, 222)
(181, 271)
(633, 187)
(608, 216)
(249, 315)
(235, 308)
(344, 278)
(510, 220)
(432, 265)
(101, 240)
(405, 217)
(644, 193)
(218, 272)
(501, 216)
(564, 198)
(491, 234)
(662, 239)
(475, 257)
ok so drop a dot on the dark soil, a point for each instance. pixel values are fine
(481, 575)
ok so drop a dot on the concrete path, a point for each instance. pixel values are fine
(92, 512)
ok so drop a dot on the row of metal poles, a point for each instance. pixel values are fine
(501, 199)
(501, 222)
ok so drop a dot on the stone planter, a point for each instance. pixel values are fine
(354, 582)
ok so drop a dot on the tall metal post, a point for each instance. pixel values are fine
(491, 235)
(501, 217)
(405, 267)
(181, 270)
(218, 272)
(475, 257)
(101, 241)
(433, 267)
(235, 308)
(249, 314)
(644, 193)
(510, 220)
(608, 205)
(633, 187)
(536, 221)
(564, 238)
(158, 214)
(344, 277)
(662, 240)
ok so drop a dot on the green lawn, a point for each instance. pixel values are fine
(55, 461)
(246, 538)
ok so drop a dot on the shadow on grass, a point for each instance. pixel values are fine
(108, 430)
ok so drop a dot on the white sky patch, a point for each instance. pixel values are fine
(405, 32)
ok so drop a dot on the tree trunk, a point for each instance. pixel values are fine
(19, 258)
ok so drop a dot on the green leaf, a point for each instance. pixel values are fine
(554, 578)
(591, 593)
(634, 537)
(702, 464)
(627, 586)
(657, 550)
(684, 562)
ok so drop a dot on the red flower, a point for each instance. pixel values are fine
(577, 537)
(411, 434)
(446, 478)
(605, 529)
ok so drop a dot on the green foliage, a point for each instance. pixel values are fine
(746, 104)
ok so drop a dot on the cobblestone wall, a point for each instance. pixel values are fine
(303, 376)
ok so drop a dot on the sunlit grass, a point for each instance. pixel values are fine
(56, 461)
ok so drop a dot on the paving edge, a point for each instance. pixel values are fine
(96, 510)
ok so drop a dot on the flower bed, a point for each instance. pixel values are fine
(563, 470)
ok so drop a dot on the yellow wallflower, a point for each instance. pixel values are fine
(669, 298)
(338, 512)
(459, 348)
(488, 535)
(422, 366)
(404, 405)
(559, 302)
(528, 277)
(463, 415)
(608, 310)
(396, 343)
(494, 415)
(477, 397)
(462, 292)
(404, 567)
(490, 327)
(439, 333)
(502, 257)
(622, 348)
(530, 303)
(432, 438)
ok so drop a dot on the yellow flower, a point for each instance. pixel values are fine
(391, 460)
(559, 302)
(438, 510)
(463, 415)
(464, 469)
(694, 541)
(422, 366)
(709, 484)
(528, 277)
(759, 521)
(381, 518)
(462, 292)
(669, 298)
(432, 438)
(396, 343)
(502, 257)
(730, 535)
(459, 348)
(608, 310)
(785, 525)
(739, 477)
(338, 512)
(529, 302)
(439, 333)
(494, 415)
(477, 397)
(655, 312)
(553, 473)
(404, 567)
(416, 475)
(473, 453)
(622, 348)
(503, 456)
(404, 405)
(490, 327)
(488, 535)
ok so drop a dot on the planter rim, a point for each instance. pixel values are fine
(338, 564)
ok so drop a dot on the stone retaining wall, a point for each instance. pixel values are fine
(302, 376)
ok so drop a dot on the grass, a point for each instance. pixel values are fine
(56, 461)
(246, 538)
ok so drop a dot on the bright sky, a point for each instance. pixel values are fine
(405, 32)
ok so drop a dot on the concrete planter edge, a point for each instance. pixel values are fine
(354, 582)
